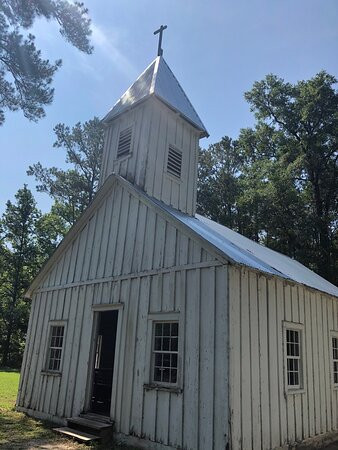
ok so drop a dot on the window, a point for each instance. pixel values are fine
(335, 359)
(55, 348)
(293, 358)
(124, 144)
(174, 164)
(165, 352)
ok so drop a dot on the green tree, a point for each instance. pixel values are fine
(306, 114)
(73, 189)
(283, 189)
(19, 264)
(218, 186)
(25, 77)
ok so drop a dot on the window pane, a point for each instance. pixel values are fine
(296, 350)
(166, 360)
(166, 375)
(174, 344)
(174, 329)
(166, 329)
(157, 374)
(158, 359)
(165, 344)
(158, 329)
(158, 343)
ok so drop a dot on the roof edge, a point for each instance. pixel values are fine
(99, 197)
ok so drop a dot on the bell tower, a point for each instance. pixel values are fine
(152, 138)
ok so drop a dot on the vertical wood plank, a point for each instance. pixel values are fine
(263, 361)
(207, 358)
(254, 350)
(235, 357)
(246, 428)
(273, 364)
(221, 371)
(281, 368)
(140, 357)
(191, 361)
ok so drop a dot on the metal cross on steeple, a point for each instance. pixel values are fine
(160, 30)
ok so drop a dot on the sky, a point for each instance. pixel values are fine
(217, 49)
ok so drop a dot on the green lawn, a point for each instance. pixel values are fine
(18, 431)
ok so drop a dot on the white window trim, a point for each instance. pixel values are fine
(152, 319)
(301, 387)
(333, 334)
(55, 323)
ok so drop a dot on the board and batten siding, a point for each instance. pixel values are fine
(155, 127)
(128, 254)
(263, 415)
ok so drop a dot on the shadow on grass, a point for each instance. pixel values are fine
(17, 427)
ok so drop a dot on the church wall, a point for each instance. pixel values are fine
(155, 127)
(131, 256)
(264, 415)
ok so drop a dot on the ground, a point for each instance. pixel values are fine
(18, 431)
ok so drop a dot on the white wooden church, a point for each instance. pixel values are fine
(168, 328)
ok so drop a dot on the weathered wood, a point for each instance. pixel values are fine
(279, 415)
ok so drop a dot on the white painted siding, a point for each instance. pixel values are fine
(263, 416)
(128, 253)
(155, 127)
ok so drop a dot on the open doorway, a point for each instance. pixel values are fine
(104, 362)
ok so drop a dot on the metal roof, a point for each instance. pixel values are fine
(244, 251)
(158, 80)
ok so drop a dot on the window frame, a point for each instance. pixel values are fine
(333, 335)
(170, 352)
(299, 327)
(55, 323)
(163, 317)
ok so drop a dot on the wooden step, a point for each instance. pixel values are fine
(96, 417)
(76, 434)
(76, 422)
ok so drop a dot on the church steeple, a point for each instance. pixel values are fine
(152, 138)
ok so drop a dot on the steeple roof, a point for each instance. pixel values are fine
(158, 80)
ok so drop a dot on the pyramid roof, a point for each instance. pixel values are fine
(158, 80)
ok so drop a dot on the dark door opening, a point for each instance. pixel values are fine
(104, 362)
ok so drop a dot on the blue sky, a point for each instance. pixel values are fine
(216, 49)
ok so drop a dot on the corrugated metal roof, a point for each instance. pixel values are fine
(157, 79)
(244, 251)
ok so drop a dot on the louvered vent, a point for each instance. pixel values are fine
(124, 142)
(174, 165)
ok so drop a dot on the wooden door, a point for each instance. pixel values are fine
(104, 362)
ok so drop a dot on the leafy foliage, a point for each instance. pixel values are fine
(73, 189)
(277, 184)
(25, 77)
(27, 239)
(18, 265)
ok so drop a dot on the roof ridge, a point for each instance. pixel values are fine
(179, 85)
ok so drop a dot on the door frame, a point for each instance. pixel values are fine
(96, 309)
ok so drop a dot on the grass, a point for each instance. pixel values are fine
(18, 431)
